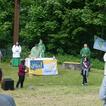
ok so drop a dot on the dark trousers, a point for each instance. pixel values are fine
(84, 78)
(20, 81)
(0, 75)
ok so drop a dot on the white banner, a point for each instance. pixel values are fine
(42, 66)
(99, 44)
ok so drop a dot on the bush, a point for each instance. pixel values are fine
(25, 52)
(71, 58)
(97, 64)
(66, 57)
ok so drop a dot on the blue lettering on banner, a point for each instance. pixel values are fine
(36, 64)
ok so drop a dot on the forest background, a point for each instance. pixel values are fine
(63, 25)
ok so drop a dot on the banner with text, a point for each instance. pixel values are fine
(43, 66)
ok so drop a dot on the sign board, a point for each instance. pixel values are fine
(42, 66)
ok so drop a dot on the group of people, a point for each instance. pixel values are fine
(37, 51)
(85, 66)
(85, 63)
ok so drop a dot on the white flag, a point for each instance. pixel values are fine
(99, 44)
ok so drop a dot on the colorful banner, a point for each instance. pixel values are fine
(42, 66)
(99, 44)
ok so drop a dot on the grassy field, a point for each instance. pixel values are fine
(64, 89)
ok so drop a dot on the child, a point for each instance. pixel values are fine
(85, 70)
(21, 74)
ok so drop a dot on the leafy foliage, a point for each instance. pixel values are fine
(63, 25)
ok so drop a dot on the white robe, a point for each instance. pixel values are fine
(102, 91)
(104, 58)
(16, 51)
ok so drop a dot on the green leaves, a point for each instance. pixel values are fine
(61, 24)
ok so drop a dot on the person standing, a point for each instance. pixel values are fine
(41, 47)
(16, 50)
(85, 70)
(85, 52)
(102, 91)
(21, 74)
(35, 52)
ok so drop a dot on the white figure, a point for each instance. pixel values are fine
(16, 50)
(102, 91)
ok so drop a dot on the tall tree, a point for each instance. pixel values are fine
(16, 21)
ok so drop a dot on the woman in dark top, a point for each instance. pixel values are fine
(85, 70)
(21, 74)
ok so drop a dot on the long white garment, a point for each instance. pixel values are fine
(102, 91)
(104, 58)
(16, 51)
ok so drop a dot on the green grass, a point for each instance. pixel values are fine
(64, 89)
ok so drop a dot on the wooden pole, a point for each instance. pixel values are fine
(16, 21)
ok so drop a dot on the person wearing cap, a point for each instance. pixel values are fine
(16, 50)
(102, 91)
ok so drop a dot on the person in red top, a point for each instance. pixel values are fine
(21, 74)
